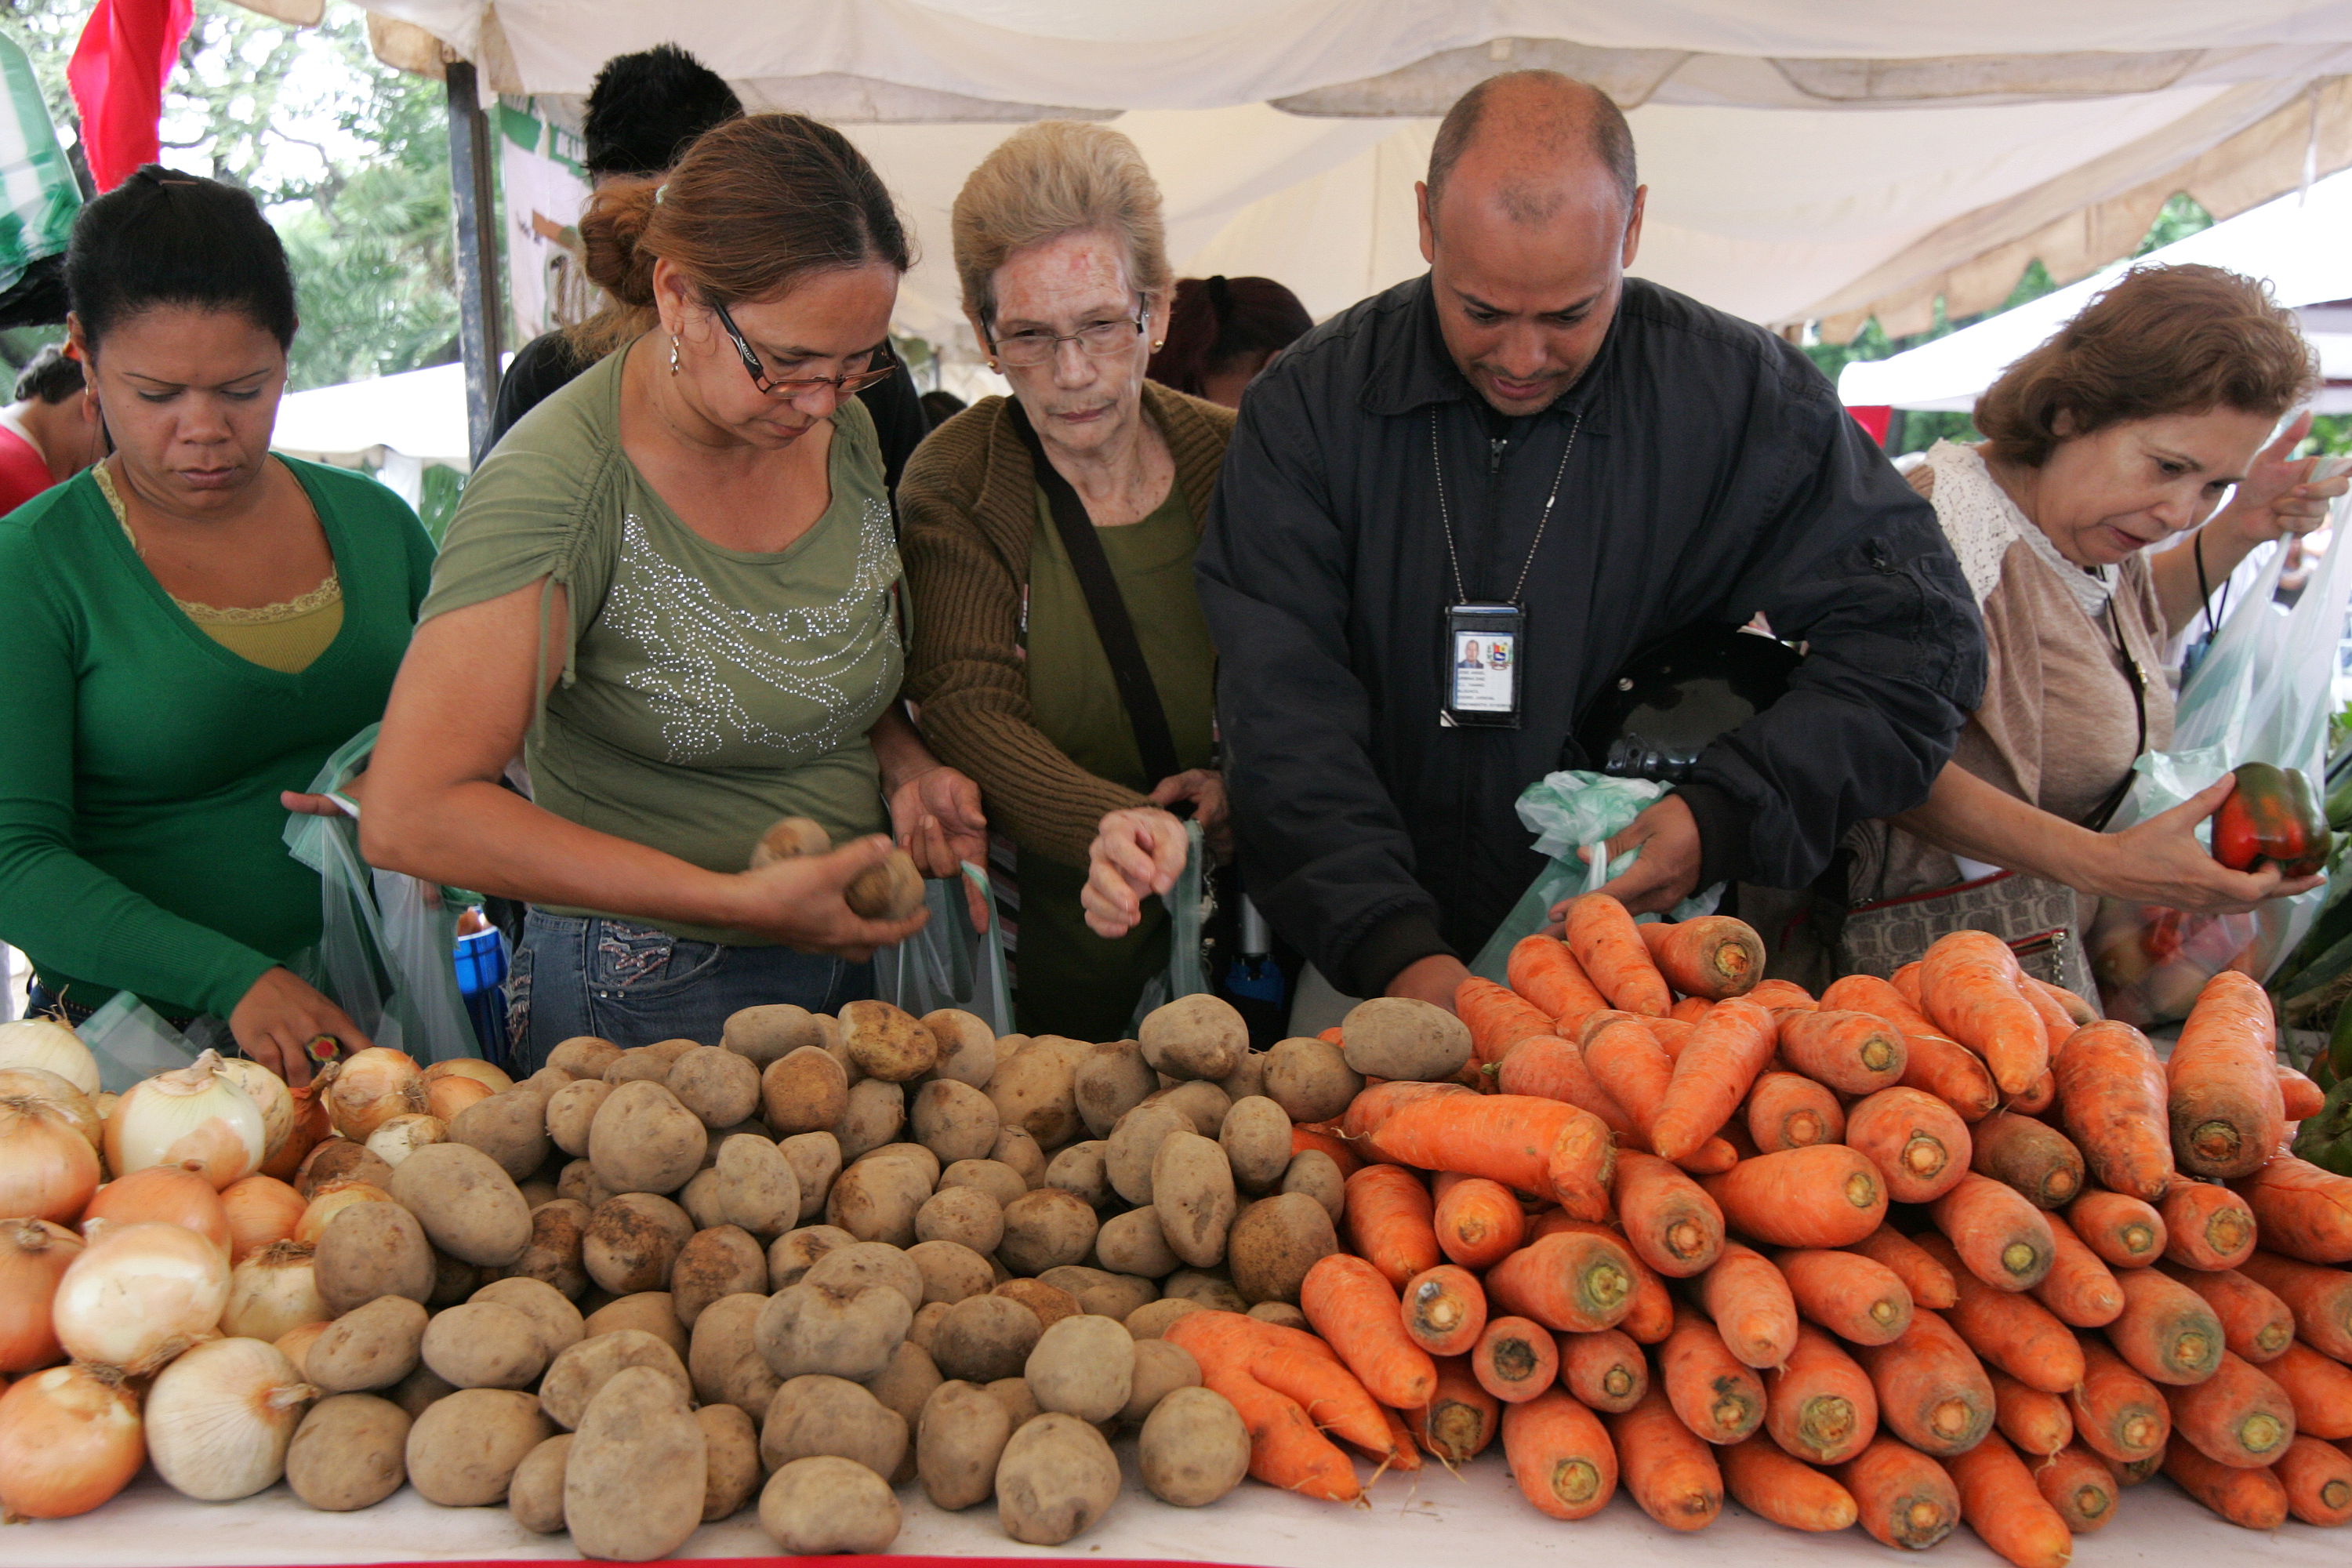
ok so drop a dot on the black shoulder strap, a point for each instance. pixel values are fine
(1153, 741)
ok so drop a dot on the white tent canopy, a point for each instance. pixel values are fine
(2301, 244)
(1807, 160)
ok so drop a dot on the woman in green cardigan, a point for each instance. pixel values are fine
(193, 626)
(1063, 261)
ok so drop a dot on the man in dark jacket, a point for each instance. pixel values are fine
(1525, 426)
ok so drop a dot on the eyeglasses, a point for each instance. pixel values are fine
(883, 363)
(1095, 340)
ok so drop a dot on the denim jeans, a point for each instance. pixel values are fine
(631, 984)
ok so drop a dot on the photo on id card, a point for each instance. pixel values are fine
(1486, 669)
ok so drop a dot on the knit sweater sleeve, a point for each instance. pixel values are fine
(965, 669)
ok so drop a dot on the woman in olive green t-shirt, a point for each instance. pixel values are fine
(672, 587)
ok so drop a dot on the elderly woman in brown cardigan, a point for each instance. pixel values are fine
(1062, 261)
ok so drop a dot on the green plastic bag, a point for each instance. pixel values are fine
(1188, 915)
(38, 197)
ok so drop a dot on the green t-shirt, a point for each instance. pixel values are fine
(707, 691)
(140, 833)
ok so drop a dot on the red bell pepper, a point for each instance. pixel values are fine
(2272, 816)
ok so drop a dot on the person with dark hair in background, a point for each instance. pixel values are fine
(1222, 331)
(941, 406)
(193, 626)
(50, 433)
(643, 110)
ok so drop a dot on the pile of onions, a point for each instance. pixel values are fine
(195, 1112)
(451, 1093)
(402, 1136)
(495, 1078)
(332, 1200)
(219, 1418)
(140, 1294)
(260, 1209)
(47, 1168)
(369, 1088)
(69, 1439)
(165, 1194)
(310, 1125)
(33, 1258)
(273, 1292)
(269, 1096)
(37, 1083)
(295, 1343)
(49, 1045)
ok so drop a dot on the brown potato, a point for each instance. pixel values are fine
(1192, 1192)
(876, 1200)
(825, 1504)
(644, 1140)
(889, 891)
(1083, 1366)
(584, 1056)
(557, 1229)
(571, 1110)
(994, 1177)
(339, 1160)
(647, 1312)
(792, 1254)
(953, 1120)
(1020, 1406)
(841, 1331)
(462, 1450)
(509, 1126)
(865, 1263)
(1160, 1369)
(1274, 1242)
(886, 1042)
(535, 1495)
(950, 1271)
(925, 1327)
(1134, 1143)
(902, 1388)
(1058, 1476)
(967, 1216)
(640, 1064)
(768, 1034)
(722, 1261)
(470, 1207)
(1050, 1303)
(1100, 1290)
(350, 1452)
(1046, 1229)
(1310, 1079)
(756, 1187)
(638, 1471)
(789, 839)
(720, 1088)
(1194, 1447)
(484, 1344)
(804, 1090)
(370, 1250)
(1256, 1139)
(1112, 1080)
(453, 1280)
(1208, 1286)
(816, 1160)
(816, 1414)
(631, 1242)
(1282, 1314)
(557, 1320)
(1133, 1244)
(1035, 1092)
(1317, 1175)
(724, 1335)
(1203, 1103)
(419, 1391)
(1150, 1321)
(983, 1338)
(1400, 1038)
(731, 1447)
(878, 1111)
(1081, 1170)
(1200, 1036)
(699, 1197)
(577, 1376)
(958, 1438)
(367, 1348)
(1246, 1079)
(578, 1181)
(967, 1046)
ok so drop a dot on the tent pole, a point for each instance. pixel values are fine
(480, 308)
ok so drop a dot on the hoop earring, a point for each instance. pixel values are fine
(673, 355)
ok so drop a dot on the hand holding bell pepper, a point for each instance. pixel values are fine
(2272, 816)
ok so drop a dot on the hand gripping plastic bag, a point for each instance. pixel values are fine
(2262, 694)
(1188, 916)
(1568, 811)
(948, 963)
(387, 942)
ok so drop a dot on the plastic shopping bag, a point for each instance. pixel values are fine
(387, 942)
(2262, 694)
(132, 1041)
(948, 963)
(1188, 916)
(1568, 811)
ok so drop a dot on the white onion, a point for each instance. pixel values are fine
(38, 1083)
(49, 1045)
(495, 1078)
(260, 1209)
(445, 1097)
(269, 1096)
(369, 1088)
(48, 1169)
(68, 1440)
(195, 1112)
(272, 1292)
(32, 1256)
(402, 1136)
(219, 1418)
(140, 1294)
(332, 1200)
(165, 1194)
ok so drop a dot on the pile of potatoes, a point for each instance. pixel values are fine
(821, 1259)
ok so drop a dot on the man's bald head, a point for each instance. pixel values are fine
(1537, 134)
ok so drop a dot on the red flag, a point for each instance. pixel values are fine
(119, 68)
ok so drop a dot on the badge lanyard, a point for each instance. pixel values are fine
(1483, 643)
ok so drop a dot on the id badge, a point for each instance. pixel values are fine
(1483, 644)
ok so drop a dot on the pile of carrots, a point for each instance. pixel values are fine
(1940, 1250)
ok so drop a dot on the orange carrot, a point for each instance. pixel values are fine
(1952, 1073)
(2138, 1470)
(2038, 1423)
(1970, 981)
(1906, 982)
(2080, 1486)
(1605, 1370)
(2320, 1299)
(1575, 1282)
(1918, 1143)
(1630, 1066)
(2207, 1225)
(1356, 1312)
(1649, 1316)
(2080, 1013)
(2057, 1021)
(1869, 994)
(1403, 1451)
(2007, 1510)
(1672, 1033)
(1498, 1018)
(1726, 1051)
(1388, 1214)
(1827, 1195)
(1929, 1282)
(1773, 995)
(2227, 1114)
(2255, 1323)
(2032, 1156)
(1515, 1360)
(2116, 1411)
(1712, 957)
(1788, 1110)
(2125, 1232)
(1550, 1068)
(1932, 1391)
(1443, 1310)
(2110, 1097)
(2303, 1211)
(1855, 1053)
(1853, 1297)
(2010, 1330)
(1542, 970)
(2038, 1097)
(1379, 1102)
(1905, 1498)
(1303, 1138)
(1751, 1304)
(1668, 1470)
(2237, 1416)
(2318, 1480)
(1716, 1396)
(1559, 1454)
(2079, 1288)
(1272, 1379)
(1530, 1145)
(1768, 1483)
(2252, 1499)
(1670, 1222)
(2320, 1389)
(2000, 1238)
(2300, 1097)
(1690, 1009)
(1478, 1222)
(1460, 1420)
(2166, 1331)
(1608, 948)
(1819, 1405)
